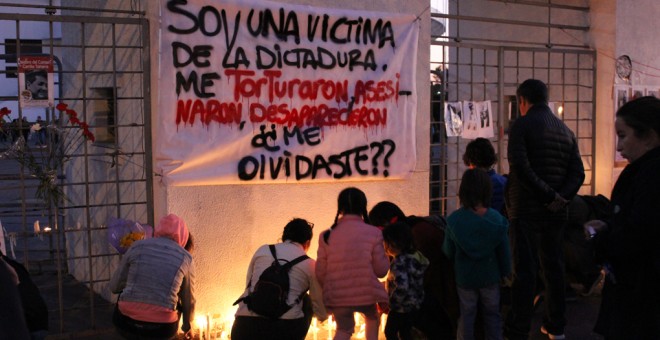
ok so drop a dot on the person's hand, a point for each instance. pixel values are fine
(593, 227)
(557, 204)
(189, 335)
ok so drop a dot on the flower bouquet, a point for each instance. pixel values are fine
(122, 233)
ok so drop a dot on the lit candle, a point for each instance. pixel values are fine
(207, 335)
(330, 327)
(314, 328)
(200, 322)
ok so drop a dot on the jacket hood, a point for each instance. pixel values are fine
(423, 261)
(478, 235)
(174, 228)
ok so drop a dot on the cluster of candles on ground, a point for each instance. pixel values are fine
(211, 327)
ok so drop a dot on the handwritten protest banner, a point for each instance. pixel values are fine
(253, 91)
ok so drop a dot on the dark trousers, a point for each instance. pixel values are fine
(257, 327)
(399, 325)
(135, 329)
(537, 244)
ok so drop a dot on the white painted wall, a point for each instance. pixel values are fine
(603, 36)
(230, 222)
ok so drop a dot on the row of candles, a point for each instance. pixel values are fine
(211, 327)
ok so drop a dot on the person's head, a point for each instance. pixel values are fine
(298, 230)
(531, 92)
(174, 228)
(352, 201)
(638, 127)
(385, 213)
(397, 239)
(37, 82)
(480, 153)
(476, 189)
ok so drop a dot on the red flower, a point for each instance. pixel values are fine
(4, 112)
(73, 118)
(89, 135)
(72, 113)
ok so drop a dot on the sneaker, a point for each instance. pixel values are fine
(552, 336)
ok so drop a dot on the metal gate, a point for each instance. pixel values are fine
(101, 73)
(470, 72)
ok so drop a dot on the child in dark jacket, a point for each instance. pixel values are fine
(405, 282)
(477, 241)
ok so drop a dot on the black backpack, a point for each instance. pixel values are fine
(272, 289)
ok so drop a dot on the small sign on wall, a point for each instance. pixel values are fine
(35, 81)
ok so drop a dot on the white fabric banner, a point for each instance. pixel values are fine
(254, 91)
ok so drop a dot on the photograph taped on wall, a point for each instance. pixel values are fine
(454, 118)
(653, 91)
(621, 96)
(35, 81)
(477, 120)
(485, 119)
(637, 92)
(470, 120)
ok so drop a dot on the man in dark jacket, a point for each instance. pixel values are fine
(546, 172)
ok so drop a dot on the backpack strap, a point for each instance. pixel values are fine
(274, 253)
(295, 261)
(288, 266)
(243, 298)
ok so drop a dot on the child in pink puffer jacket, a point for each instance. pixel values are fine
(350, 259)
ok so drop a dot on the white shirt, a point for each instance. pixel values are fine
(301, 278)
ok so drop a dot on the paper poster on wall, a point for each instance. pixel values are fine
(454, 118)
(256, 91)
(485, 128)
(621, 96)
(478, 120)
(35, 81)
(470, 120)
(553, 107)
(637, 92)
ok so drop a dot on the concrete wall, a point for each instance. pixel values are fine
(603, 38)
(230, 222)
